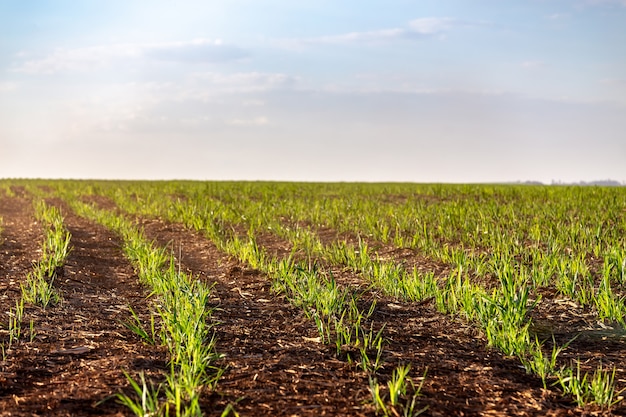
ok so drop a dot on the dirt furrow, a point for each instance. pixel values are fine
(274, 366)
(592, 343)
(74, 364)
(277, 371)
(19, 248)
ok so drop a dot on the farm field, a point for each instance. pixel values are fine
(280, 299)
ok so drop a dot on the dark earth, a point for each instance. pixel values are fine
(73, 361)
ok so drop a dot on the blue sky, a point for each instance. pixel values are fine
(425, 91)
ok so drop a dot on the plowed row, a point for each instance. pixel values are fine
(80, 349)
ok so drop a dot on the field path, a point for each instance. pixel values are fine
(80, 348)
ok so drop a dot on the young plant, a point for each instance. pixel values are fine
(39, 290)
(598, 388)
(147, 403)
(15, 322)
(137, 327)
(541, 365)
(181, 304)
(401, 397)
(55, 250)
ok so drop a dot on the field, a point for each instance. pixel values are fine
(280, 299)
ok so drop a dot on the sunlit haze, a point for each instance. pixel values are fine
(396, 90)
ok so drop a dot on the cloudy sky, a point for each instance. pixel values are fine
(324, 90)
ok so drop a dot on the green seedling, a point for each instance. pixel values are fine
(501, 243)
(55, 250)
(401, 396)
(181, 304)
(598, 388)
(230, 409)
(137, 327)
(541, 365)
(39, 290)
(147, 403)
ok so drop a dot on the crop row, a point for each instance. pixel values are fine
(181, 307)
(180, 318)
(504, 248)
(38, 288)
(335, 310)
(502, 313)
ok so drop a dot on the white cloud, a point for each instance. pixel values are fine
(243, 82)
(205, 100)
(417, 29)
(205, 87)
(434, 25)
(79, 59)
(557, 16)
(290, 138)
(255, 121)
(200, 50)
(8, 86)
(253, 103)
(532, 64)
(93, 57)
(362, 37)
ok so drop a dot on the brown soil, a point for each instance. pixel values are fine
(276, 370)
(74, 364)
(274, 365)
(590, 342)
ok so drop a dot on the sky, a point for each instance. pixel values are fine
(395, 90)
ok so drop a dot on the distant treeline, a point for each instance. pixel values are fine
(601, 183)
